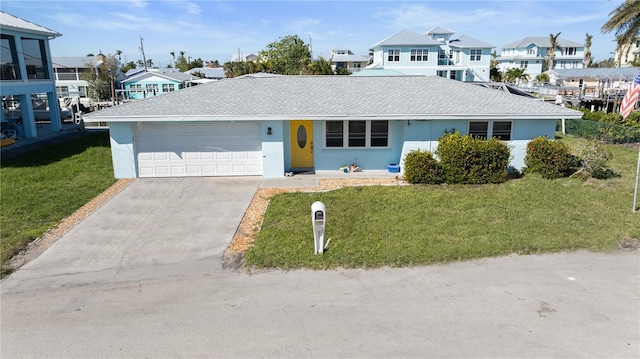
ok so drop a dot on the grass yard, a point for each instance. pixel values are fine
(395, 226)
(42, 187)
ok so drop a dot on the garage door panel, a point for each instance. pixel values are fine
(199, 149)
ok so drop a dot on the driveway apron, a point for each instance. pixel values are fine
(152, 223)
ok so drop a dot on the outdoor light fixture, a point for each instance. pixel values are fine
(269, 131)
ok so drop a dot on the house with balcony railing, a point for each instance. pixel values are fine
(26, 76)
(531, 54)
(436, 52)
(342, 58)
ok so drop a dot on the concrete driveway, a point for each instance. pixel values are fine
(142, 277)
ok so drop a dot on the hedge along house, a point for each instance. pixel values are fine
(270, 125)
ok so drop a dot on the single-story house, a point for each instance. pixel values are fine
(155, 82)
(267, 126)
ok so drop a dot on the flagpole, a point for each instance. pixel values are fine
(635, 191)
(630, 101)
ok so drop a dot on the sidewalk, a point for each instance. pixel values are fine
(313, 180)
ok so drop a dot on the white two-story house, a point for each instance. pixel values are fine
(71, 84)
(436, 52)
(530, 54)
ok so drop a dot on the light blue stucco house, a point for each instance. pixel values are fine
(530, 54)
(267, 126)
(436, 52)
(144, 84)
(27, 83)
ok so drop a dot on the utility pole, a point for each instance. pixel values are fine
(144, 59)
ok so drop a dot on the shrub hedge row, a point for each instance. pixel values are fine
(463, 159)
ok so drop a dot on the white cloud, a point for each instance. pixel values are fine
(193, 8)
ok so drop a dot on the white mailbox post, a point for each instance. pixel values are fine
(318, 219)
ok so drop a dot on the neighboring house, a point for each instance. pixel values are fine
(266, 126)
(27, 84)
(154, 82)
(436, 52)
(240, 57)
(628, 53)
(343, 58)
(69, 76)
(595, 82)
(530, 54)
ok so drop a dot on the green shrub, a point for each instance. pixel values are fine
(593, 159)
(551, 159)
(592, 116)
(470, 160)
(421, 168)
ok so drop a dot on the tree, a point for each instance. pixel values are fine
(181, 63)
(551, 52)
(610, 62)
(515, 74)
(195, 63)
(212, 63)
(288, 56)
(118, 53)
(625, 22)
(149, 63)
(494, 71)
(319, 67)
(99, 78)
(542, 78)
(587, 51)
(128, 66)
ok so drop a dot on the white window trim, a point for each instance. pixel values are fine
(424, 55)
(394, 54)
(490, 128)
(345, 136)
(475, 53)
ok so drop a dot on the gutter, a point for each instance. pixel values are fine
(321, 117)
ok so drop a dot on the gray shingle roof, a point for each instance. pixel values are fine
(333, 97)
(468, 41)
(10, 22)
(541, 41)
(406, 37)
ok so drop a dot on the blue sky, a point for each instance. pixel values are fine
(214, 30)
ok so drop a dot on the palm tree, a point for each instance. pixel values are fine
(587, 51)
(515, 75)
(553, 46)
(625, 21)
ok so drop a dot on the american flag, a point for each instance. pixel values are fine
(630, 99)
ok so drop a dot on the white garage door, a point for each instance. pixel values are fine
(199, 149)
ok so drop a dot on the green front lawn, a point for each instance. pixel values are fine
(42, 187)
(411, 225)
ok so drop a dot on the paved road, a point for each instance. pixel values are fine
(126, 300)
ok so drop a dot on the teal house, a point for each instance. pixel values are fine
(268, 126)
(27, 82)
(154, 82)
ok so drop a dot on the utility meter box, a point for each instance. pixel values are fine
(318, 219)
